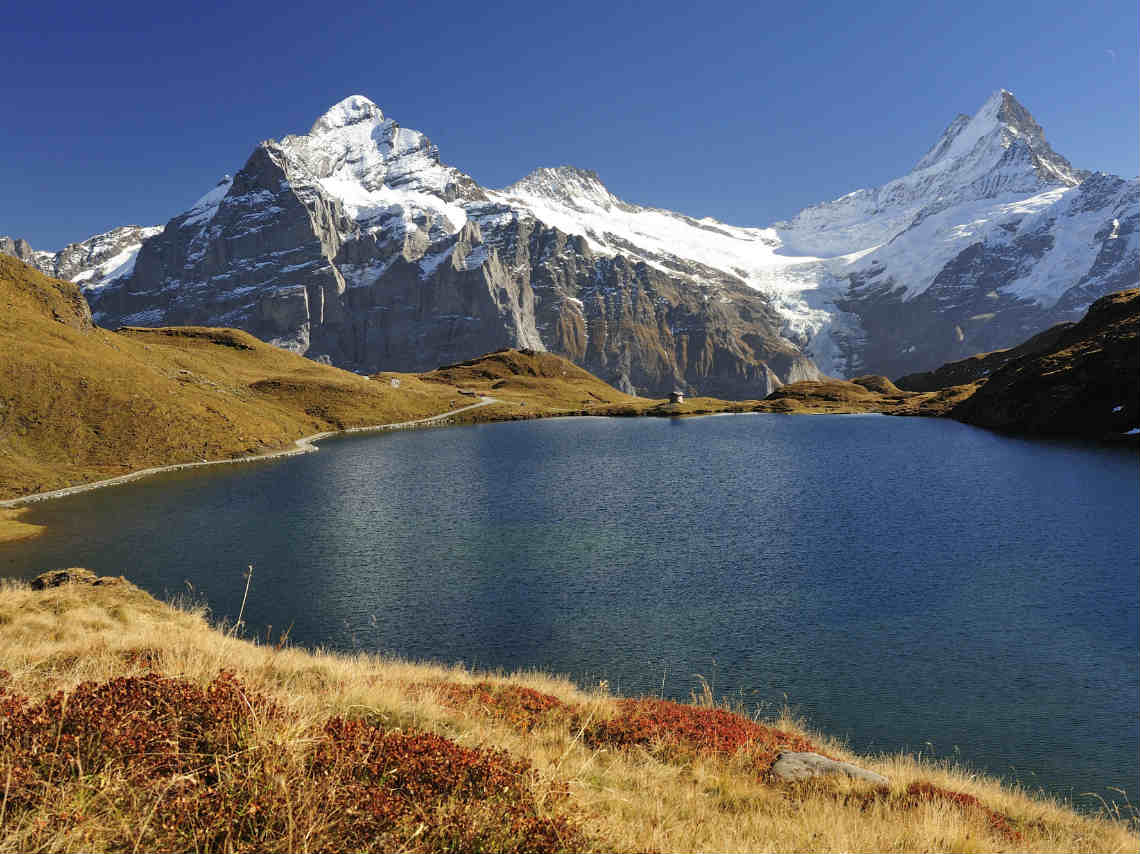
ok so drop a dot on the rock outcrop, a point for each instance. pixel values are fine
(798, 767)
(73, 575)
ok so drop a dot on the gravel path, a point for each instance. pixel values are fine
(304, 445)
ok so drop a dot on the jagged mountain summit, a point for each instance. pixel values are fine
(355, 244)
(92, 263)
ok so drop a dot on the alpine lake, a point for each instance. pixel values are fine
(906, 584)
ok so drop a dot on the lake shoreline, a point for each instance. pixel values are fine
(304, 445)
(106, 632)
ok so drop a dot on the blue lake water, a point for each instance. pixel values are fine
(905, 583)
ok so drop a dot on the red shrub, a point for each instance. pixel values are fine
(522, 708)
(656, 724)
(398, 786)
(924, 792)
(178, 764)
(150, 726)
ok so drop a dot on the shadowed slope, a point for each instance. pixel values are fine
(1086, 383)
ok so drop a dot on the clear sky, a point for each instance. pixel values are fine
(117, 113)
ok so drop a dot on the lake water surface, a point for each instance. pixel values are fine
(905, 583)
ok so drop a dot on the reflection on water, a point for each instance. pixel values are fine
(898, 581)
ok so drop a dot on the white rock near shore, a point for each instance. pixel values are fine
(795, 767)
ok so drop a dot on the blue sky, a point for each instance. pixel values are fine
(120, 113)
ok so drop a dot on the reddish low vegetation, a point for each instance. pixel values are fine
(677, 729)
(522, 708)
(186, 757)
(420, 791)
(924, 792)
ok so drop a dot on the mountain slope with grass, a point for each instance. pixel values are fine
(1074, 379)
(80, 403)
(1085, 382)
(131, 724)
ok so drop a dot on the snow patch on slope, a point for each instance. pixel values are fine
(204, 209)
(376, 168)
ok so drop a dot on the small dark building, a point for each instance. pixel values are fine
(677, 397)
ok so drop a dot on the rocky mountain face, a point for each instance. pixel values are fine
(355, 244)
(91, 263)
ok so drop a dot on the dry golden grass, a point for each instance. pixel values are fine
(79, 403)
(11, 528)
(651, 797)
(860, 395)
(530, 384)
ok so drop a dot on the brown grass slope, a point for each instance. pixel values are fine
(865, 394)
(981, 365)
(1086, 383)
(534, 384)
(79, 403)
(128, 724)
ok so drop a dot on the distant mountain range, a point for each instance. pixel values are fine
(354, 244)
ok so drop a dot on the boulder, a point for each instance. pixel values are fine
(796, 767)
(71, 575)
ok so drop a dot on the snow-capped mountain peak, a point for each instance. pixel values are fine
(381, 172)
(354, 241)
(978, 143)
(354, 109)
(566, 184)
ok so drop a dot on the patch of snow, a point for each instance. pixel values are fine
(204, 209)
(115, 267)
(429, 263)
(150, 317)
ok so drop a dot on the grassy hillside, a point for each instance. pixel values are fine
(79, 403)
(981, 365)
(128, 724)
(862, 394)
(1085, 382)
(530, 384)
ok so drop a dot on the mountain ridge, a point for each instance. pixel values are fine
(357, 245)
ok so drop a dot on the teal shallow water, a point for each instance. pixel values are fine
(905, 583)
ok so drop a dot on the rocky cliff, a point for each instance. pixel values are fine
(354, 244)
(92, 263)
